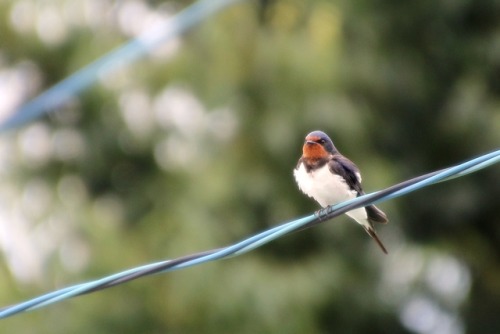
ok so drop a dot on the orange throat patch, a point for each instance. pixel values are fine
(314, 151)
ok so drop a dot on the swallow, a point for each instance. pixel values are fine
(330, 178)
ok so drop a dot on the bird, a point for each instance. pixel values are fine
(328, 177)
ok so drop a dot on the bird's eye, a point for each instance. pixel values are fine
(321, 141)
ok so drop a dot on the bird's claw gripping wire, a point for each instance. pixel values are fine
(323, 213)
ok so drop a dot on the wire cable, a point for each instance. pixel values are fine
(57, 95)
(257, 240)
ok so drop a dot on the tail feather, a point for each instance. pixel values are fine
(366, 217)
(376, 215)
(375, 237)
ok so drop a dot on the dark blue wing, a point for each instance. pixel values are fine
(348, 170)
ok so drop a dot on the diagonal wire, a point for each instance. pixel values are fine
(257, 240)
(137, 48)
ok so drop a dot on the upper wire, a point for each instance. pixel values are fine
(54, 97)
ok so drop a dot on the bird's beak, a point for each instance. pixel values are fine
(309, 142)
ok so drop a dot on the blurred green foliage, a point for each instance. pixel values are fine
(193, 148)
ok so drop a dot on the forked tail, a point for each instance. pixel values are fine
(374, 235)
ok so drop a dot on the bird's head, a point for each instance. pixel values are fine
(317, 146)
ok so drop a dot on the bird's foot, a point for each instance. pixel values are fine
(322, 213)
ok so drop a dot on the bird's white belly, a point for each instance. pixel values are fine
(326, 188)
(323, 186)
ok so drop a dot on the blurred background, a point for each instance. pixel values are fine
(192, 148)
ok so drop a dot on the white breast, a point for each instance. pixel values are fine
(328, 189)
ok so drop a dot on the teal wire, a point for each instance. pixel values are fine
(255, 241)
(57, 95)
